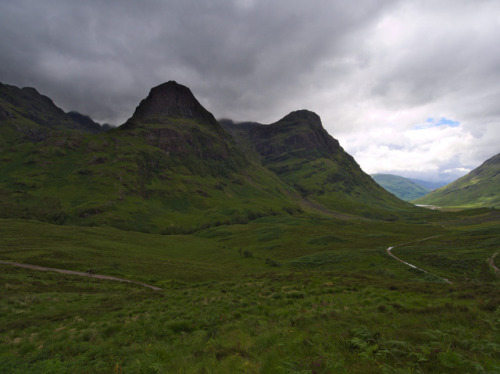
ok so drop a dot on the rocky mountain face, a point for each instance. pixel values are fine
(300, 131)
(173, 168)
(171, 100)
(300, 151)
(172, 119)
(26, 114)
(86, 122)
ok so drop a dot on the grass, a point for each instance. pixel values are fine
(118, 179)
(330, 301)
(295, 322)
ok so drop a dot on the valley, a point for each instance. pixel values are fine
(179, 243)
(275, 295)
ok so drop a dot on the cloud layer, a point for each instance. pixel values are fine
(374, 71)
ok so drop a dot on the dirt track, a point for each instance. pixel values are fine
(411, 265)
(491, 262)
(79, 273)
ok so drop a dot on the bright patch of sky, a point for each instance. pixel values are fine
(433, 122)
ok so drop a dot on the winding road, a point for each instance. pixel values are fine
(80, 273)
(411, 265)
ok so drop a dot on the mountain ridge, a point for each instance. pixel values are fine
(300, 151)
(173, 168)
(27, 114)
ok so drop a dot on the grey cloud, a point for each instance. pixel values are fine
(258, 60)
(103, 56)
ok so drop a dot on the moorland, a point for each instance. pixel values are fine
(268, 244)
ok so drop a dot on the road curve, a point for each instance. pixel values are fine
(79, 273)
(388, 250)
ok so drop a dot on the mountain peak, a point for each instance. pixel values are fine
(171, 99)
(303, 115)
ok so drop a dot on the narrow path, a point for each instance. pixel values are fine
(411, 265)
(491, 262)
(80, 273)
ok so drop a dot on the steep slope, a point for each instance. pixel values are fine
(85, 121)
(479, 188)
(171, 119)
(27, 115)
(401, 187)
(299, 150)
(170, 168)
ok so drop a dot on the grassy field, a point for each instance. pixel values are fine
(280, 294)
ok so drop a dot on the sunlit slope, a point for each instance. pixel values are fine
(479, 188)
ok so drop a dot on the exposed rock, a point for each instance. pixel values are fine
(171, 100)
(85, 121)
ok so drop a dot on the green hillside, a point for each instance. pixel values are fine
(167, 174)
(172, 168)
(268, 249)
(401, 187)
(479, 188)
(301, 153)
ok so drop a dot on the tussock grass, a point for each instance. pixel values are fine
(336, 303)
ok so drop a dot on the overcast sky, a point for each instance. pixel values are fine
(408, 87)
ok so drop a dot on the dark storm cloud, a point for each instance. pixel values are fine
(373, 70)
(242, 57)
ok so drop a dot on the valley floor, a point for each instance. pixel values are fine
(278, 295)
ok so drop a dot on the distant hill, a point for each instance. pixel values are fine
(429, 185)
(479, 188)
(402, 187)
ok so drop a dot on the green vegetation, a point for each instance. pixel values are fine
(270, 252)
(278, 295)
(401, 187)
(302, 154)
(479, 188)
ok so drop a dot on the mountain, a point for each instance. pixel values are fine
(85, 121)
(403, 188)
(26, 114)
(301, 153)
(172, 168)
(171, 119)
(428, 185)
(479, 188)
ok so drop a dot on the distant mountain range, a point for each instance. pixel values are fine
(404, 188)
(172, 167)
(429, 185)
(479, 188)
